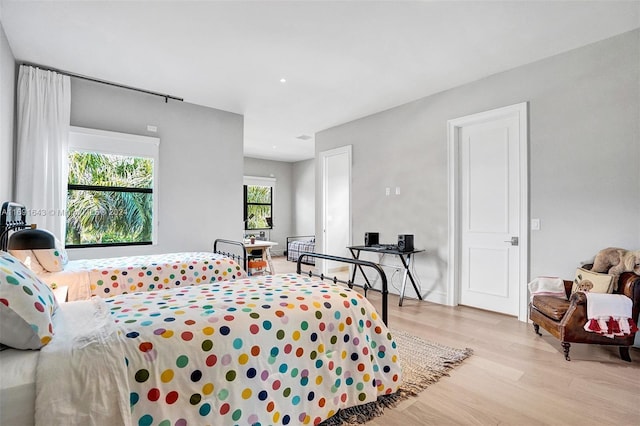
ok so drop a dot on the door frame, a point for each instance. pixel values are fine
(324, 155)
(454, 200)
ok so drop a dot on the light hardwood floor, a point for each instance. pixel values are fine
(514, 376)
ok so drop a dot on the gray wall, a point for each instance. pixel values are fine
(304, 212)
(584, 152)
(200, 164)
(7, 102)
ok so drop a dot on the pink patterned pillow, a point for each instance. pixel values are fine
(27, 306)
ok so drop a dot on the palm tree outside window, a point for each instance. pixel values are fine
(258, 207)
(110, 196)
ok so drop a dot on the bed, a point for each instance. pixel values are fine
(18, 386)
(108, 277)
(301, 244)
(278, 349)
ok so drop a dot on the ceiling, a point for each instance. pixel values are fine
(342, 60)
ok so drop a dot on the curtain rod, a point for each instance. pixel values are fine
(109, 83)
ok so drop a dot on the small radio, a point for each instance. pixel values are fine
(371, 238)
(405, 242)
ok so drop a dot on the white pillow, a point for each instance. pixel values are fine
(52, 260)
(27, 306)
(29, 259)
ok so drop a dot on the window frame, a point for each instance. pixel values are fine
(83, 139)
(257, 181)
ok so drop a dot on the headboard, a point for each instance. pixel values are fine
(298, 238)
(233, 249)
(13, 216)
(354, 263)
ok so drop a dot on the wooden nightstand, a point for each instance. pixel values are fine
(61, 293)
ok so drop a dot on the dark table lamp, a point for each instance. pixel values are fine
(31, 239)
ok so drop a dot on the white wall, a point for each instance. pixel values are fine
(304, 212)
(7, 102)
(200, 179)
(583, 169)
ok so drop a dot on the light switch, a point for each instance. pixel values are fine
(535, 224)
(387, 191)
(397, 190)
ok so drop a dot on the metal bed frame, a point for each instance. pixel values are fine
(357, 263)
(298, 238)
(233, 249)
(13, 217)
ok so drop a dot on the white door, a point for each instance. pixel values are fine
(492, 217)
(336, 202)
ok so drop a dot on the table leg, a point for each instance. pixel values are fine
(407, 273)
(404, 283)
(355, 269)
(267, 253)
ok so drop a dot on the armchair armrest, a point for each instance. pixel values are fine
(627, 282)
(578, 298)
(629, 285)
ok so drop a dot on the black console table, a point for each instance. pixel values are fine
(405, 257)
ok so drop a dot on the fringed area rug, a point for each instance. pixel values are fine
(423, 363)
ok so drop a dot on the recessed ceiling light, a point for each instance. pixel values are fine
(283, 80)
(274, 147)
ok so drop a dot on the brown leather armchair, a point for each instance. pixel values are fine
(565, 319)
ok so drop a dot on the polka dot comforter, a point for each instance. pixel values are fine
(109, 277)
(266, 350)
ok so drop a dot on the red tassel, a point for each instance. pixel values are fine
(594, 326)
(613, 325)
(632, 326)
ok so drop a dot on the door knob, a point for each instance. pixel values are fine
(514, 241)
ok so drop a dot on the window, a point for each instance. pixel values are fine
(110, 195)
(258, 202)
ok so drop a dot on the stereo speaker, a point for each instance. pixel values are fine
(371, 238)
(405, 242)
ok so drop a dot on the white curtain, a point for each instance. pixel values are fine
(44, 111)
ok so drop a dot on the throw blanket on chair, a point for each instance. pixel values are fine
(547, 286)
(609, 315)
